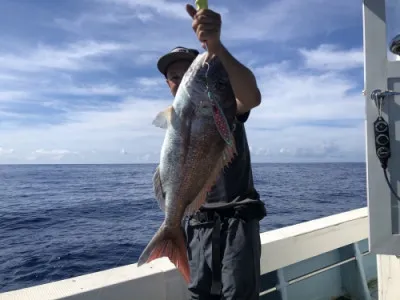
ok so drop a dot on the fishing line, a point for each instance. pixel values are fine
(219, 117)
(107, 278)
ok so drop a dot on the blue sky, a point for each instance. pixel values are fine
(79, 84)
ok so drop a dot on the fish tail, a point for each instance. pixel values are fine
(168, 242)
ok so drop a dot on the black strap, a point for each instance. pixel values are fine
(216, 257)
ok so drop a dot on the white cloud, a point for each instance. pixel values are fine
(329, 57)
(144, 9)
(282, 21)
(93, 99)
(150, 82)
(12, 95)
(168, 8)
(4, 151)
(124, 126)
(291, 100)
(52, 155)
(75, 57)
(307, 114)
(291, 95)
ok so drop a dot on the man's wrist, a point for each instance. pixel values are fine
(220, 50)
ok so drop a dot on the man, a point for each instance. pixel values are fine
(223, 238)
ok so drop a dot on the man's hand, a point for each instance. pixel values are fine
(207, 26)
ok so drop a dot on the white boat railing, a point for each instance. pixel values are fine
(281, 248)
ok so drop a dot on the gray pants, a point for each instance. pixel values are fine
(234, 273)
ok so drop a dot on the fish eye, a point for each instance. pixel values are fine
(204, 108)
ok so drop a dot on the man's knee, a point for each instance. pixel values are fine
(241, 262)
(240, 282)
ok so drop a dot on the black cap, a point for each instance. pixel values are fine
(176, 54)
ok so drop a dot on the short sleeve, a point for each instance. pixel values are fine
(243, 117)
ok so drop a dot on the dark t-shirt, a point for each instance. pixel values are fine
(235, 185)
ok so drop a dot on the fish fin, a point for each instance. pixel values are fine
(226, 158)
(168, 242)
(197, 203)
(163, 118)
(158, 189)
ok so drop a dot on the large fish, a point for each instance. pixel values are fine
(198, 145)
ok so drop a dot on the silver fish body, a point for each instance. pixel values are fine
(198, 144)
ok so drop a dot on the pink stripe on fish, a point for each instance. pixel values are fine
(221, 124)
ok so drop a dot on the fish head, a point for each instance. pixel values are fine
(206, 83)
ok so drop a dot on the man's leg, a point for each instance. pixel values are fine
(241, 260)
(198, 241)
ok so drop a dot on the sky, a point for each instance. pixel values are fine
(79, 83)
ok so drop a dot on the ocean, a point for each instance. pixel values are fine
(61, 221)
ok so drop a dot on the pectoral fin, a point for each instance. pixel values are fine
(163, 118)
